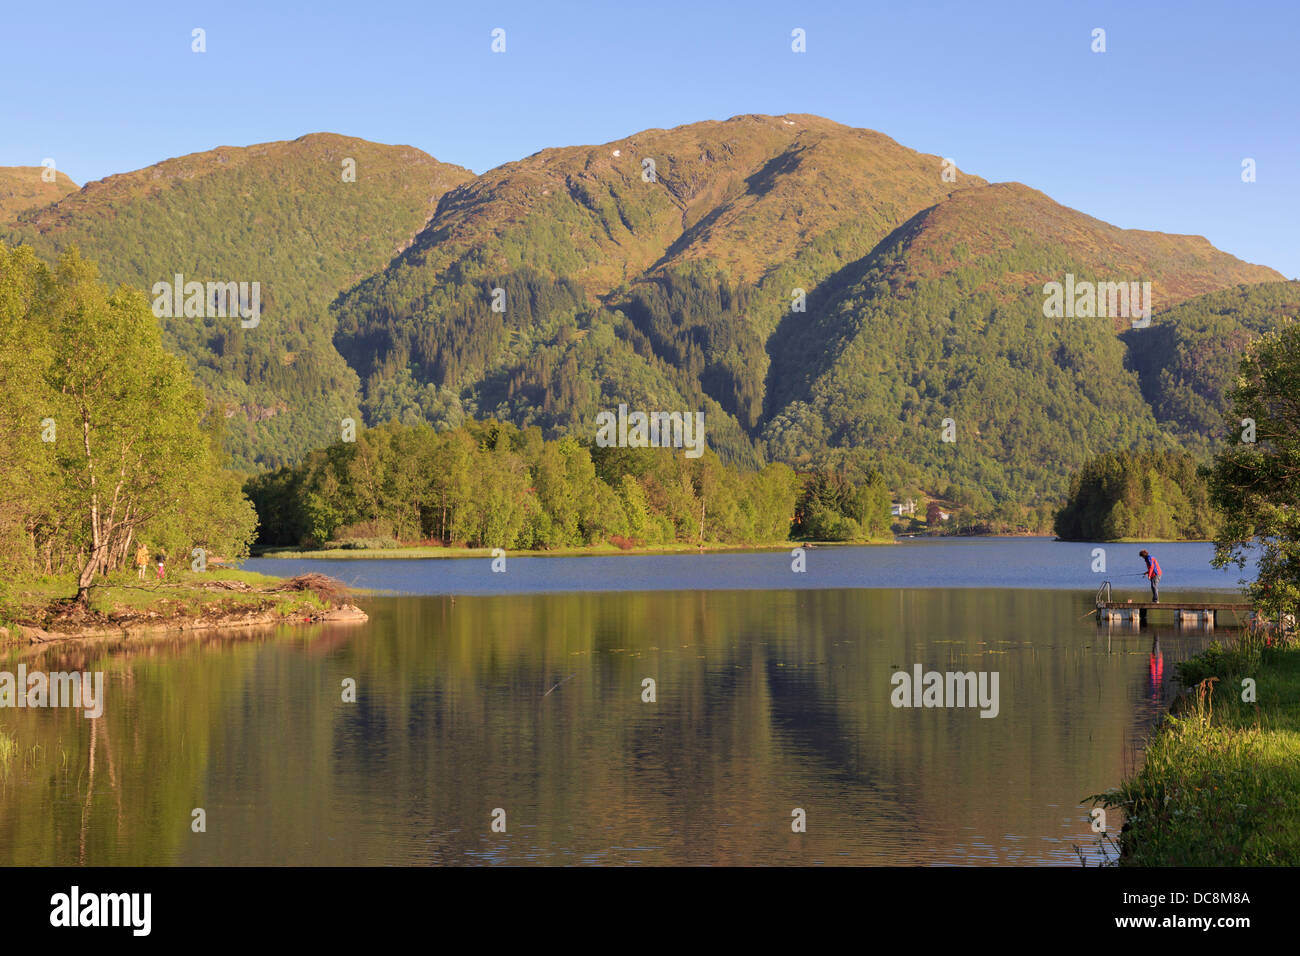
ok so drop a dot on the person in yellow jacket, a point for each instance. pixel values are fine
(141, 560)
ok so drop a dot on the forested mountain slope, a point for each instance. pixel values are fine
(825, 295)
(1187, 361)
(584, 241)
(921, 293)
(946, 320)
(285, 215)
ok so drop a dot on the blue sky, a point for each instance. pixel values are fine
(1150, 134)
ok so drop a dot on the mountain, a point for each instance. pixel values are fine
(825, 295)
(586, 241)
(286, 215)
(924, 301)
(1187, 362)
(23, 187)
(945, 320)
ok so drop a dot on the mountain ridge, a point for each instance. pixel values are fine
(26, 187)
(677, 283)
(293, 216)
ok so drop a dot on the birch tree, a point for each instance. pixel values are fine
(132, 440)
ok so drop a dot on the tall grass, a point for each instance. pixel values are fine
(1220, 784)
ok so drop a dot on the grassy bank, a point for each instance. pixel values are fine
(1220, 784)
(586, 551)
(41, 609)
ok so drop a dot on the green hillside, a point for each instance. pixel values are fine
(826, 296)
(24, 187)
(945, 320)
(924, 302)
(588, 245)
(1187, 361)
(280, 214)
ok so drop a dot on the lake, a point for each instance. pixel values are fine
(913, 563)
(521, 697)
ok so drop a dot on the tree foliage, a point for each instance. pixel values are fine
(1151, 495)
(491, 484)
(1256, 485)
(104, 435)
(1188, 360)
(832, 508)
(281, 214)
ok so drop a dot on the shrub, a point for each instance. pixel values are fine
(362, 544)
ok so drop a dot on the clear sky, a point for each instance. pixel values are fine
(1150, 134)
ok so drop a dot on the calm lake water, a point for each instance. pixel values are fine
(524, 693)
(914, 563)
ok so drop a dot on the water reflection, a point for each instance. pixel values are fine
(764, 702)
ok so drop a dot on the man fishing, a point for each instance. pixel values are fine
(1152, 574)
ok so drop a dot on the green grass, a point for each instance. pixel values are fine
(180, 595)
(22, 759)
(1220, 784)
(8, 748)
(124, 588)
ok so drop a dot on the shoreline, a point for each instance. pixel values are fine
(440, 552)
(37, 636)
(217, 599)
(1219, 783)
(436, 552)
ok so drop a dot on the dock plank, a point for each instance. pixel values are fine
(1172, 606)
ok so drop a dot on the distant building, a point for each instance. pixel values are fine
(898, 509)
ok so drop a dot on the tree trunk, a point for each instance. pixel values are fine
(124, 560)
(87, 575)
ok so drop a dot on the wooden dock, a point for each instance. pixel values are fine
(1202, 613)
(1185, 612)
